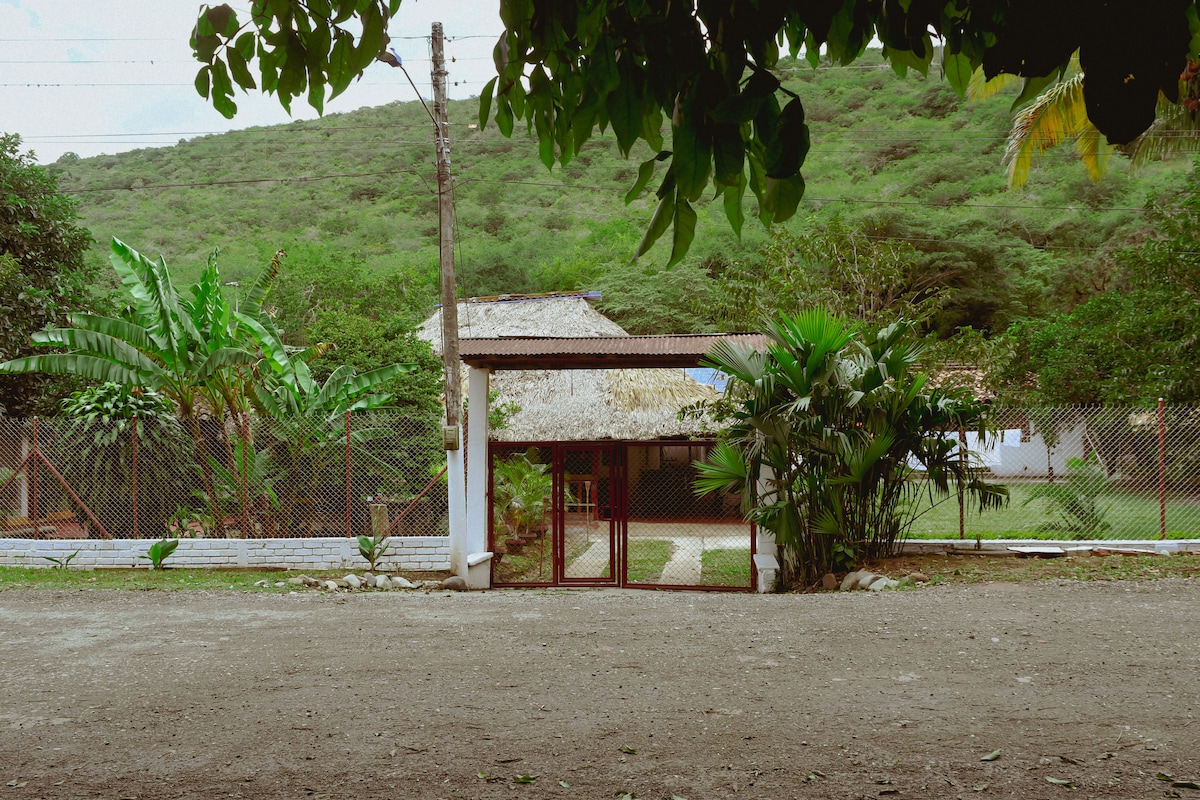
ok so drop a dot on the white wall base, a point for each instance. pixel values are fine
(413, 553)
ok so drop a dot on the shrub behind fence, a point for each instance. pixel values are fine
(379, 471)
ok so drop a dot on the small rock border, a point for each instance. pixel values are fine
(863, 579)
(365, 583)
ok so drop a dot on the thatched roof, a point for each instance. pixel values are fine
(575, 405)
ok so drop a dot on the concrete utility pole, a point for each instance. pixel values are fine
(456, 476)
(446, 236)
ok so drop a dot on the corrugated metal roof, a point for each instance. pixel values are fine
(596, 352)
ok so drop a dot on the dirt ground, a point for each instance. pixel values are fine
(602, 693)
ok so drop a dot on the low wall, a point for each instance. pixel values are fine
(325, 553)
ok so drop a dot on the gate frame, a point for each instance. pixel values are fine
(619, 499)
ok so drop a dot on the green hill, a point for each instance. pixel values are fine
(897, 158)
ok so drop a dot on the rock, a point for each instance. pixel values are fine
(865, 578)
(400, 582)
(353, 581)
(878, 585)
(313, 582)
(382, 582)
(918, 577)
(851, 581)
(262, 584)
(455, 583)
(369, 578)
(280, 584)
(829, 581)
(892, 583)
(331, 586)
(299, 580)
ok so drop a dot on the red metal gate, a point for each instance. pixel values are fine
(612, 514)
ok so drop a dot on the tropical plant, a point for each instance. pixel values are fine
(832, 434)
(306, 421)
(373, 548)
(1059, 114)
(160, 551)
(521, 490)
(247, 489)
(93, 444)
(1075, 498)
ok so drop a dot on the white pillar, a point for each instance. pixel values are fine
(456, 496)
(478, 387)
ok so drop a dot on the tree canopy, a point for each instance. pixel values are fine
(43, 275)
(567, 68)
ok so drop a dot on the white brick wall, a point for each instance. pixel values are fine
(404, 552)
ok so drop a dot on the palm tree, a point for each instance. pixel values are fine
(823, 432)
(1058, 114)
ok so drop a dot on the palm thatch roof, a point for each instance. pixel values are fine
(574, 405)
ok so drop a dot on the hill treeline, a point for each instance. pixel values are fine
(906, 211)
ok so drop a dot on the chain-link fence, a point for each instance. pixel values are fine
(252, 477)
(1082, 473)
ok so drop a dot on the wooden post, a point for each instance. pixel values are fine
(446, 235)
(379, 519)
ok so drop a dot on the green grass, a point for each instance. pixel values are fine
(136, 579)
(647, 558)
(1129, 514)
(725, 567)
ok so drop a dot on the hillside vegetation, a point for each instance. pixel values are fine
(897, 160)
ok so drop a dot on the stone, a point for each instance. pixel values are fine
(829, 581)
(262, 584)
(918, 577)
(280, 584)
(892, 583)
(865, 578)
(382, 582)
(851, 581)
(313, 582)
(331, 586)
(353, 581)
(878, 585)
(299, 580)
(455, 583)
(400, 582)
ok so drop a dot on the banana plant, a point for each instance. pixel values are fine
(306, 420)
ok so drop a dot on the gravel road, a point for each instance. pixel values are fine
(596, 693)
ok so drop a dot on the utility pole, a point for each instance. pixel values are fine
(452, 438)
(446, 237)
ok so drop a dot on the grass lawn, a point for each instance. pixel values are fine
(647, 557)
(167, 579)
(725, 567)
(1130, 516)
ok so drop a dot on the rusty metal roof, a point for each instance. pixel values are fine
(600, 352)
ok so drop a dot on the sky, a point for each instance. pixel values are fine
(106, 76)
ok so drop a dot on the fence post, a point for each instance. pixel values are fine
(243, 433)
(33, 479)
(962, 515)
(349, 490)
(134, 466)
(1162, 471)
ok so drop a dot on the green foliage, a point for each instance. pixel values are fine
(1075, 498)
(521, 491)
(829, 420)
(43, 275)
(373, 548)
(160, 551)
(63, 562)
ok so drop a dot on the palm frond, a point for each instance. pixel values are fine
(1058, 114)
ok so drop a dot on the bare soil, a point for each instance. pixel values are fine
(599, 693)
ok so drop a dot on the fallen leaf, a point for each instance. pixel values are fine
(482, 775)
(1164, 776)
(1186, 785)
(627, 749)
(525, 778)
(1061, 782)
(564, 784)
(992, 756)
(980, 787)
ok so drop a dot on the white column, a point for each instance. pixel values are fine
(457, 498)
(478, 387)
